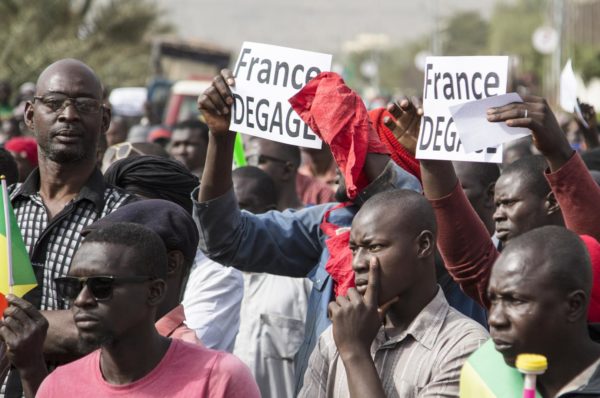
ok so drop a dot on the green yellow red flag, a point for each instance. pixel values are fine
(16, 272)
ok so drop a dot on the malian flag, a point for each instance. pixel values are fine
(16, 273)
(486, 375)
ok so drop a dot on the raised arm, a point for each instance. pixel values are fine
(215, 105)
(574, 188)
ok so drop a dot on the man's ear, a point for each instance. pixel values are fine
(489, 196)
(426, 244)
(28, 116)
(175, 262)
(576, 305)
(551, 204)
(106, 116)
(156, 292)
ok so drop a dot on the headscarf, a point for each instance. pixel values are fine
(154, 177)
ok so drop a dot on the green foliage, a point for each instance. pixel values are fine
(586, 59)
(466, 33)
(112, 37)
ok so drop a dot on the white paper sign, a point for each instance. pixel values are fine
(568, 92)
(451, 81)
(476, 132)
(265, 78)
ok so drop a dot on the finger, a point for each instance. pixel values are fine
(27, 308)
(342, 301)
(218, 101)
(394, 110)
(354, 296)
(223, 90)
(332, 309)
(389, 123)
(406, 105)
(506, 113)
(227, 75)
(372, 293)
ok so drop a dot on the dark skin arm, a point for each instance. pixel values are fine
(23, 330)
(548, 137)
(215, 105)
(356, 321)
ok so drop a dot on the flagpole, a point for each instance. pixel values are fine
(7, 223)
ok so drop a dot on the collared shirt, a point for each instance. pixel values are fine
(289, 243)
(423, 360)
(52, 243)
(173, 325)
(212, 301)
(581, 381)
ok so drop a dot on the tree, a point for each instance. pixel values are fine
(112, 37)
(466, 33)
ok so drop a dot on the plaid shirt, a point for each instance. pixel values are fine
(52, 243)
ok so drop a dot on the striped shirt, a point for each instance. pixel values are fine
(52, 243)
(422, 361)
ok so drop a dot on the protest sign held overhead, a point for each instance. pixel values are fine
(266, 77)
(451, 81)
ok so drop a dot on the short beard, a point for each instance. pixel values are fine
(61, 156)
(87, 345)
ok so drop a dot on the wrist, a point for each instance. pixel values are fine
(355, 353)
(33, 368)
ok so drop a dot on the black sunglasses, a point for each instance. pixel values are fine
(101, 287)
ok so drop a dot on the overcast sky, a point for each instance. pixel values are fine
(319, 25)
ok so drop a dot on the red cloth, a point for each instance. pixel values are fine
(399, 154)
(339, 117)
(27, 145)
(339, 265)
(594, 250)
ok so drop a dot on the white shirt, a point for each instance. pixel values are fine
(212, 301)
(272, 330)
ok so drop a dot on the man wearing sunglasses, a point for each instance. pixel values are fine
(116, 285)
(66, 192)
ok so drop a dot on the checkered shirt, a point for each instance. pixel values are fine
(52, 243)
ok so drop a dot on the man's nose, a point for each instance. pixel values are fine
(360, 261)
(497, 317)
(499, 214)
(69, 113)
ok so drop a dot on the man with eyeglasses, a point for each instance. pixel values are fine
(116, 285)
(66, 192)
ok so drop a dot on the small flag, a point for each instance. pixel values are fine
(16, 273)
(486, 375)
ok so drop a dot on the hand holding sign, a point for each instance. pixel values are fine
(588, 125)
(216, 101)
(535, 114)
(407, 114)
(356, 319)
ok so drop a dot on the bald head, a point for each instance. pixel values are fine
(409, 210)
(530, 170)
(278, 150)
(556, 256)
(72, 70)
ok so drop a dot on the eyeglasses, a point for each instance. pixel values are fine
(58, 103)
(255, 160)
(101, 287)
(120, 151)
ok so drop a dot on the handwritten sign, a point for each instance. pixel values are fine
(266, 77)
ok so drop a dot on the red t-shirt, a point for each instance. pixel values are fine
(186, 370)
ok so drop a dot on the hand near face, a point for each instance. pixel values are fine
(406, 127)
(216, 102)
(356, 319)
(536, 115)
(23, 329)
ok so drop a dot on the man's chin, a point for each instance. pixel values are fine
(89, 342)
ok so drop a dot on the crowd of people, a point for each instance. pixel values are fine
(351, 271)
